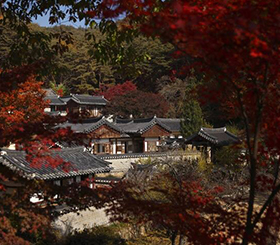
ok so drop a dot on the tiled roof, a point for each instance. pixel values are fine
(81, 163)
(66, 98)
(140, 172)
(55, 100)
(174, 124)
(123, 126)
(85, 99)
(134, 128)
(121, 120)
(65, 144)
(132, 155)
(139, 126)
(89, 125)
(217, 136)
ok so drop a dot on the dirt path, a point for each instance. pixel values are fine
(83, 219)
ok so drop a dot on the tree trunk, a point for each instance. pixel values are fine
(173, 238)
(249, 228)
(253, 154)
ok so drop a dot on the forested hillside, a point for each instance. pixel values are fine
(148, 63)
(80, 71)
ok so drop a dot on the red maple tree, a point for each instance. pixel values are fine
(117, 90)
(235, 44)
(181, 201)
(137, 103)
(24, 123)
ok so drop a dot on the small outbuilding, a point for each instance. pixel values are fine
(208, 140)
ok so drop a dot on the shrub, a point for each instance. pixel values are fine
(102, 235)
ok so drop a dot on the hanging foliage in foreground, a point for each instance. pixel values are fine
(236, 44)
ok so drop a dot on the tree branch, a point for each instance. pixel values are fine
(266, 204)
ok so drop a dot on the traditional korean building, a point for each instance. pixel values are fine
(81, 165)
(104, 136)
(145, 135)
(74, 103)
(126, 135)
(173, 124)
(56, 105)
(208, 140)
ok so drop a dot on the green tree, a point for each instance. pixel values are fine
(59, 89)
(178, 92)
(229, 157)
(193, 118)
(98, 235)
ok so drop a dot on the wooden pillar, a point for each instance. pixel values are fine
(114, 146)
(145, 146)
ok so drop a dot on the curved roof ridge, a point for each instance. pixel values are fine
(74, 148)
(95, 125)
(73, 97)
(169, 119)
(86, 120)
(232, 135)
(223, 129)
(101, 122)
(84, 99)
(151, 123)
(142, 120)
(207, 136)
(88, 95)
(113, 126)
(123, 120)
(162, 124)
